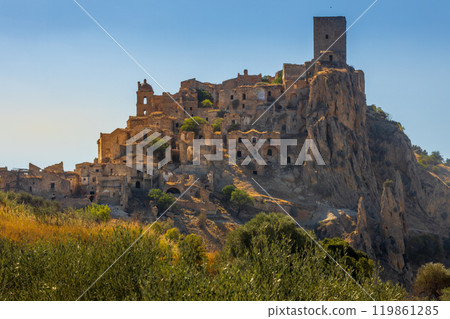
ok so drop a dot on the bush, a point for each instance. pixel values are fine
(241, 198)
(357, 261)
(430, 281)
(424, 248)
(206, 103)
(173, 234)
(274, 227)
(227, 190)
(278, 78)
(161, 199)
(265, 78)
(379, 111)
(192, 124)
(204, 95)
(217, 125)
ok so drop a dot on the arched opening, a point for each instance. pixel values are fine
(269, 152)
(289, 160)
(269, 93)
(331, 58)
(173, 190)
(145, 100)
(253, 139)
(244, 96)
(326, 36)
(283, 128)
(239, 154)
(138, 184)
(239, 140)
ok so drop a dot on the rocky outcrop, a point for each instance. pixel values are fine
(393, 224)
(362, 149)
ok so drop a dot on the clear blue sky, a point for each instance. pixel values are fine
(63, 81)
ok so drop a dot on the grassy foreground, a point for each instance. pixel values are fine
(46, 254)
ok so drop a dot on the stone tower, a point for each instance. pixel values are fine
(144, 98)
(326, 31)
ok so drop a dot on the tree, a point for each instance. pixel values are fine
(161, 199)
(192, 124)
(204, 95)
(206, 103)
(430, 280)
(265, 78)
(360, 265)
(240, 198)
(217, 125)
(274, 227)
(227, 191)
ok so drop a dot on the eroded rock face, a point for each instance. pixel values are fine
(362, 150)
(393, 224)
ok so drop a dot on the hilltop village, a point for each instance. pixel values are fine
(233, 106)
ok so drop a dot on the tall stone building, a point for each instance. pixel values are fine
(327, 31)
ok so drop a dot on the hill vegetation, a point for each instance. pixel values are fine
(58, 256)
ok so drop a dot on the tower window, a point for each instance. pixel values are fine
(269, 152)
(145, 100)
(289, 160)
(243, 96)
(239, 154)
(243, 106)
(253, 139)
(240, 140)
(326, 36)
(269, 93)
(231, 97)
(52, 186)
(138, 184)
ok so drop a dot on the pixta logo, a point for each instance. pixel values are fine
(143, 146)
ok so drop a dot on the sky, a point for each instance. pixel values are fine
(63, 80)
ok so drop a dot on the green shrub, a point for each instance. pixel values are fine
(278, 78)
(379, 111)
(430, 280)
(274, 227)
(173, 234)
(161, 199)
(204, 95)
(357, 261)
(241, 198)
(227, 190)
(217, 125)
(192, 124)
(424, 248)
(266, 78)
(206, 103)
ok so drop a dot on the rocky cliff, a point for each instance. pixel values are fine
(371, 175)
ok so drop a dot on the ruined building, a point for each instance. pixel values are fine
(239, 101)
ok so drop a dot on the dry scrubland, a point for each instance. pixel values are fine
(47, 254)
